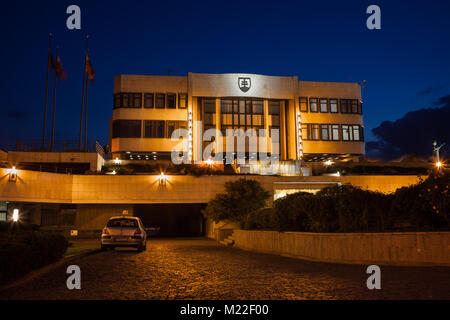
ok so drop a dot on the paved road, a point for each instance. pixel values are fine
(199, 269)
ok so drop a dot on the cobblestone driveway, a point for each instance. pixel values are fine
(199, 269)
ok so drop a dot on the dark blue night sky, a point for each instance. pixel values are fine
(406, 63)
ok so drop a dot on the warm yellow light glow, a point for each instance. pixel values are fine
(13, 170)
(438, 164)
(15, 216)
(163, 178)
(328, 162)
(117, 161)
(209, 162)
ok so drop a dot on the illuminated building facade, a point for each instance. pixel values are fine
(316, 121)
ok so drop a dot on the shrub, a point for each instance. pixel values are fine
(426, 205)
(240, 198)
(23, 251)
(262, 219)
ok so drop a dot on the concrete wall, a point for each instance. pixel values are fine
(409, 248)
(33, 186)
(94, 159)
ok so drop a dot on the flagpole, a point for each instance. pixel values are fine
(54, 107)
(85, 116)
(82, 95)
(46, 89)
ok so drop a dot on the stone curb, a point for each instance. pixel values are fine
(44, 270)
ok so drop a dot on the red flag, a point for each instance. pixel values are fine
(89, 70)
(60, 72)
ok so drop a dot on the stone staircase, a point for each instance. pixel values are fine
(228, 241)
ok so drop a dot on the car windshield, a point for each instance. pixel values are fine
(122, 223)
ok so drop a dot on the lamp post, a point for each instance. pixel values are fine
(436, 149)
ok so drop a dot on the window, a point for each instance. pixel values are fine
(350, 106)
(305, 132)
(182, 100)
(323, 105)
(333, 105)
(335, 132)
(313, 105)
(209, 113)
(148, 100)
(160, 100)
(243, 114)
(171, 100)
(3, 211)
(324, 131)
(274, 107)
(126, 129)
(137, 100)
(303, 104)
(154, 129)
(356, 136)
(354, 106)
(314, 135)
(351, 133)
(174, 125)
(128, 100)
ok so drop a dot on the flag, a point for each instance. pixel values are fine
(59, 70)
(89, 70)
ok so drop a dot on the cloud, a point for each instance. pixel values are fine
(414, 133)
(431, 90)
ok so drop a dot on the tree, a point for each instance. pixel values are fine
(241, 197)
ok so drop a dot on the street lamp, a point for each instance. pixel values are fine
(163, 179)
(12, 173)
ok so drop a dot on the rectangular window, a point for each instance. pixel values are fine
(324, 132)
(305, 132)
(344, 105)
(160, 100)
(148, 100)
(356, 136)
(303, 104)
(226, 106)
(171, 100)
(335, 132)
(315, 135)
(258, 107)
(182, 100)
(126, 129)
(137, 100)
(354, 106)
(346, 133)
(125, 100)
(313, 105)
(274, 107)
(323, 105)
(333, 106)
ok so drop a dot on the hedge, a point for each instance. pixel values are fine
(345, 208)
(22, 251)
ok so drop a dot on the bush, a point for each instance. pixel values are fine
(240, 198)
(345, 208)
(426, 205)
(23, 251)
(262, 219)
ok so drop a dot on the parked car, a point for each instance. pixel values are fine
(152, 231)
(124, 232)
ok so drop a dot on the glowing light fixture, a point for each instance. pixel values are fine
(328, 163)
(163, 179)
(117, 161)
(15, 216)
(12, 173)
(438, 164)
